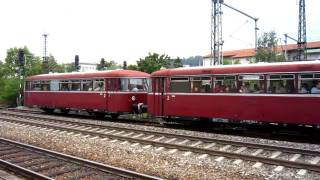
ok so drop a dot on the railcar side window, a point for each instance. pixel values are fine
(280, 83)
(201, 85)
(35, 85)
(179, 84)
(251, 83)
(86, 85)
(225, 84)
(64, 85)
(75, 85)
(45, 85)
(98, 85)
(307, 82)
(54, 85)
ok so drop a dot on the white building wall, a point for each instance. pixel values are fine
(88, 67)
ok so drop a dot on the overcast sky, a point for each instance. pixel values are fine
(129, 29)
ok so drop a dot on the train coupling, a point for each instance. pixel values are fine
(139, 108)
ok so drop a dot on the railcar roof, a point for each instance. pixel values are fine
(93, 74)
(302, 66)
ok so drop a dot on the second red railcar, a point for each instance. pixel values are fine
(277, 92)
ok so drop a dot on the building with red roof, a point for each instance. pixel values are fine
(245, 55)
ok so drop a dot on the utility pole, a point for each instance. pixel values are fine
(302, 35)
(45, 63)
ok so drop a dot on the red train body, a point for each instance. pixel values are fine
(274, 92)
(113, 92)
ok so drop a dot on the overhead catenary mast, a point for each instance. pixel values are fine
(216, 30)
(302, 35)
(216, 33)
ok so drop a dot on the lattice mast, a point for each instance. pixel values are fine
(302, 35)
(45, 62)
(216, 33)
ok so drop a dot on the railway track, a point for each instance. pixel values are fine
(37, 163)
(257, 154)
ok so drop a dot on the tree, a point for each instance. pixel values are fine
(267, 48)
(102, 65)
(177, 62)
(54, 66)
(153, 62)
(133, 67)
(111, 65)
(9, 79)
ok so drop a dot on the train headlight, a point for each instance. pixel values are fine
(133, 98)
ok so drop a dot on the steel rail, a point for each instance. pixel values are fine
(194, 138)
(22, 171)
(82, 162)
(266, 160)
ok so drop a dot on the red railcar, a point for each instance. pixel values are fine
(275, 92)
(112, 92)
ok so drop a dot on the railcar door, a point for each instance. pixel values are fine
(113, 101)
(158, 85)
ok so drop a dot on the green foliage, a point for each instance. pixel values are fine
(154, 62)
(111, 65)
(54, 66)
(227, 61)
(9, 90)
(9, 77)
(132, 67)
(69, 67)
(32, 64)
(267, 48)
(237, 61)
(107, 65)
(177, 62)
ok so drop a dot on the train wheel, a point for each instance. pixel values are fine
(99, 114)
(114, 115)
(48, 110)
(65, 111)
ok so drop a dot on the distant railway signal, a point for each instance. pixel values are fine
(76, 63)
(21, 57)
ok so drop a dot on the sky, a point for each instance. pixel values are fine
(129, 29)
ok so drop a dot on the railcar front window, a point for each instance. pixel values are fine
(251, 84)
(134, 84)
(180, 84)
(280, 83)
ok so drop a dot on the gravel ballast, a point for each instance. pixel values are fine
(146, 160)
